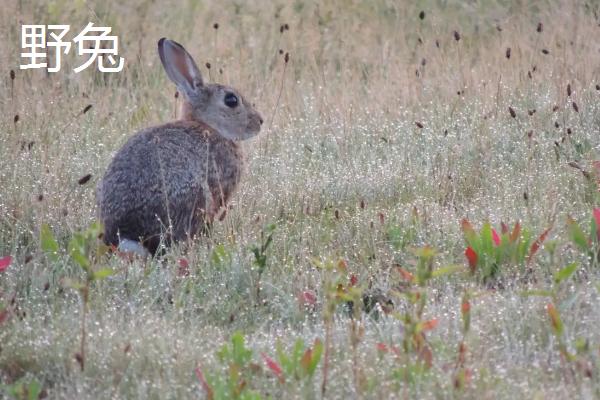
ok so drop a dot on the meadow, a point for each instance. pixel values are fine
(418, 218)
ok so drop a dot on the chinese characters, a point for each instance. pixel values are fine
(93, 42)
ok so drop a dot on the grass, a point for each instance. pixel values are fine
(386, 133)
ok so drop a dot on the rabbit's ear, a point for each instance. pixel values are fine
(180, 67)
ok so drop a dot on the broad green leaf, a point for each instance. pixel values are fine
(565, 273)
(447, 270)
(577, 235)
(77, 251)
(317, 351)
(103, 273)
(48, 242)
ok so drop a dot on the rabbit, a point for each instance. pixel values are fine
(170, 181)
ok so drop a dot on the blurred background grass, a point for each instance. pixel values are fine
(402, 107)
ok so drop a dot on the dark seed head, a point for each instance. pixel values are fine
(216, 25)
(525, 196)
(12, 75)
(16, 118)
(40, 197)
(437, 43)
(176, 94)
(508, 52)
(362, 204)
(531, 112)
(575, 107)
(540, 27)
(512, 112)
(28, 258)
(597, 87)
(419, 125)
(207, 65)
(555, 109)
(569, 131)
(280, 51)
(545, 51)
(498, 28)
(422, 15)
(337, 214)
(286, 27)
(281, 29)
(87, 108)
(286, 58)
(456, 36)
(556, 124)
(569, 89)
(84, 179)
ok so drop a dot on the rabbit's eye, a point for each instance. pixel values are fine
(231, 100)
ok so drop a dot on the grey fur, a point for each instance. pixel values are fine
(169, 181)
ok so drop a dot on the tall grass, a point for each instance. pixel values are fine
(388, 129)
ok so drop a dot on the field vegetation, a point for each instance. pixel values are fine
(419, 216)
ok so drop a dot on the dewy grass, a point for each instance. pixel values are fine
(392, 123)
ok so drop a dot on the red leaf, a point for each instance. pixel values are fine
(472, 258)
(467, 228)
(273, 366)
(597, 220)
(407, 276)
(514, 236)
(5, 262)
(184, 267)
(495, 237)
(429, 325)
(353, 280)
(205, 386)
(536, 245)
(381, 347)
(307, 298)
(3, 316)
(465, 307)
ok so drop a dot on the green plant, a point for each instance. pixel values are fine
(582, 359)
(339, 289)
(260, 254)
(240, 370)
(298, 366)
(86, 250)
(416, 354)
(487, 252)
(589, 243)
(24, 390)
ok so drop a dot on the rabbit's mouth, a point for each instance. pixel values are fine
(253, 128)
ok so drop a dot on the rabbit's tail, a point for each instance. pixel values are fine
(134, 247)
